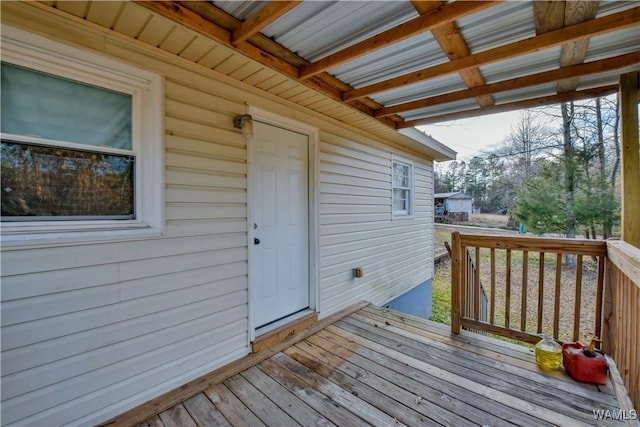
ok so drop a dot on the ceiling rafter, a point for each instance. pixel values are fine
(446, 13)
(198, 16)
(454, 46)
(615, 21)
(575, 52)
(263, 18)
(517, 105)
(572, 71)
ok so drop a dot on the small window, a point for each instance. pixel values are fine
(77, 162)
(402, 188)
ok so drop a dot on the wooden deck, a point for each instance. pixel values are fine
(383, 368)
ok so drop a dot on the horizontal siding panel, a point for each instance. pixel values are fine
(218, 150)
(349, 243)
(329, 168)
(330, 178)
(78, 387)
(48, 282)
(184, 111)
(83, 363)
(191, 177)
(202, 227)
(343, 199)
(204, 132)
(206, 163)
(185, 194)
(87, 255)
(49, 305)
(350, 190)
(329, 209)
(203, 211)
(375, 267)
(364, 253)
(356, 161)
(399, 228)
(26, 357)
(44, 329)
(352, 218)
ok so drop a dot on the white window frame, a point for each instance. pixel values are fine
(146, 89)
(400, 214)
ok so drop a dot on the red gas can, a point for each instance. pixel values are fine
(584, 364)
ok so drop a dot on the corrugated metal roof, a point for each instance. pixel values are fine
(504, 23)
(400, 58)
(316, 29)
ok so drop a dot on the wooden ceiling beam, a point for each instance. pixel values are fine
(511, 106)
(454, 46)
(446, 13)
(575, 52)
(615, 21)
(263, 18)
(572, 71)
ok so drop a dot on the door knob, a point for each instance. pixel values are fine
(256, 241)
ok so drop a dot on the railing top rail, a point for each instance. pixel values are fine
(626, 257)
(537, 244)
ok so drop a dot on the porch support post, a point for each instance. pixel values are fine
(629, 90)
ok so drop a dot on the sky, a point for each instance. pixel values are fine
(474, 136)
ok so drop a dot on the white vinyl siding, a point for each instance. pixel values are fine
(357, 227)
(88, 328)
(92, 329)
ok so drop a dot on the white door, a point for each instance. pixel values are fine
(280, 215)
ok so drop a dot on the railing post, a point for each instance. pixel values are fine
(456, 281)
(608, 322)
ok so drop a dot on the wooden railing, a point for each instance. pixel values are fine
(546, 290)
(621, 314)
(519, 281)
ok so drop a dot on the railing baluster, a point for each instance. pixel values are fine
(599, 297)
(525, 279)
(578, 299)
(507, 309)
(476, 286)
(540, 291)
(556, 307)
(464, 289)
(455, 282)
(493, 285)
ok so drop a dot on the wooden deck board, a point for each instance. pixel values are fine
(380, 367)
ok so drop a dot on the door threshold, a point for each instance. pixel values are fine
(283, 329)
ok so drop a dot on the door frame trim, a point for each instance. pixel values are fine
(313, 133)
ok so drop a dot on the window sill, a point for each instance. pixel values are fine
(55, 233)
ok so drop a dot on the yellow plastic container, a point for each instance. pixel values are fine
(548, 353)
